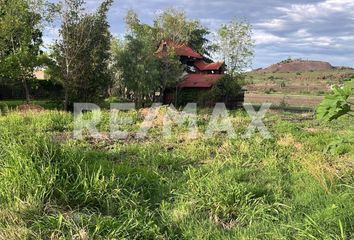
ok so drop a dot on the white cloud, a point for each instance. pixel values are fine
(275, 24)
(312, 12)
(346, 38)
(302, 33)
(263, 37)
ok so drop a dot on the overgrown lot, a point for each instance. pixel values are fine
(54, 187)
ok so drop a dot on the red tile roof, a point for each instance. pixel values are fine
(187, 52)
(180, 49)
(203, 66)
(200, 80)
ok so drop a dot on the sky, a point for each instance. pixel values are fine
(308, 29)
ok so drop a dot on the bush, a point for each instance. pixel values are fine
(270, 90)
(226, 87)
(4, 109)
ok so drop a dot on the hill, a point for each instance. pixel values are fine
(297, 77)
(298, 65)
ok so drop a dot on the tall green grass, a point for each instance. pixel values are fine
(54, 187)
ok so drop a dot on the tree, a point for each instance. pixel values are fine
(82, 53)
(173, 24)
(228, 86)
(97, 73)
(117, 87)
(235, 45)
(137, 68)
(137, 61)
(171, 71)
(21, 24)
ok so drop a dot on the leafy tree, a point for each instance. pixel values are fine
(82, 53)
(21, 24)
(336, 105)
(137, 61)
(235, 45)
(138, 70)
(201, 43)
(117, 87)
(97, 72)
(171, 70)
(173, 24)
(227, 87)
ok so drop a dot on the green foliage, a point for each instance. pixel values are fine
(225, 89)
(138, 71)
(20, 39)
(228, 86)
(82, 53)
(48, 104)
(173, 24)
(137, 63)
(236, 46)
(53, 186)
(4, 109)
(336, 146)
(336, 104)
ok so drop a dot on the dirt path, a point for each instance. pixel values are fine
(290, 100)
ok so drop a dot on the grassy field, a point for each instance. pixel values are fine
(54, 187)
(314, 83)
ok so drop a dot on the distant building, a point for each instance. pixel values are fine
(200, 73)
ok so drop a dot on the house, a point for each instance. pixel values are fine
(200, 73)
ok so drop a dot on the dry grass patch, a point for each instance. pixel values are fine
(289, 141)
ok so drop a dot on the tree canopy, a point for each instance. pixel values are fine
(21, 25)
(235, 45)
(82, 52)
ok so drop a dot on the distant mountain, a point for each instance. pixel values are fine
(297, 77)
(298, 65)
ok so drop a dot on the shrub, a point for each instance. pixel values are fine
(270, 90)
(228, 86)
(4, 109)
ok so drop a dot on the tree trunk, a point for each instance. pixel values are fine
(162, 94)
(27, 91)
(66, 99)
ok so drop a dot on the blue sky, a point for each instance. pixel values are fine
(308, 29)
